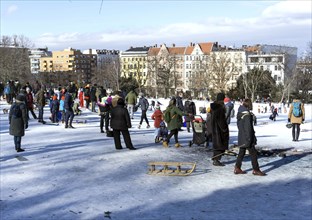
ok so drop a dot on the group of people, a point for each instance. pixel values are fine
(117, 111)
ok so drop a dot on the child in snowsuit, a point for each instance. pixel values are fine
(162, 132)
(274, 114)
(54, 108)
(157, 116)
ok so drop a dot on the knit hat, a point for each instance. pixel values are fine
(227, 99)
(220, 96)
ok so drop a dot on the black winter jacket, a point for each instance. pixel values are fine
(219, 126)
(18, 124)
(246, 132)
(120, 119)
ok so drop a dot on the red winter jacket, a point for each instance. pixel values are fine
(157, 116)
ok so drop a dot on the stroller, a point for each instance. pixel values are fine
(162, 133)
(199, 131)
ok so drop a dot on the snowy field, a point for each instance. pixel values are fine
(73, 174)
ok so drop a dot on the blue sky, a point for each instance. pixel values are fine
(121, 24)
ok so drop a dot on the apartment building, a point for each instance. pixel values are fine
(134, 63)
(79, 65)
(107, 67)
(34, 57)
(279, 60)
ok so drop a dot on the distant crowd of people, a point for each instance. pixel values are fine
(117, 110)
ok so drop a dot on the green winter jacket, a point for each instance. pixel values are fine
(131, 98)
(176, 117)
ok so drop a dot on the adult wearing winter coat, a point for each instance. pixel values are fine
(180, 102)
(190, 109)
(143, 103)
(131, 100)
(18, 121)
(93, 98)
(229, 106)
(246, 139)
(30, 103)
(175, 122)
(87, 95)
(69, 111)
(120, 122)
(220, 129)
(41, 101)
(296, 121)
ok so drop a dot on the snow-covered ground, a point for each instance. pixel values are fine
(78, 174)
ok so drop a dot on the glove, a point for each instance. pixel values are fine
(26, 126)
(303, 120)
(288, 119)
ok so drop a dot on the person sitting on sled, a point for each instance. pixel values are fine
(162, 132)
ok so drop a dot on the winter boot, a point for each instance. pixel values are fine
(258, 173)
(177, 145)
(217, 163)
(139, 126)
(165, 144)
(20, 150)
(293, 135)
(238, 170)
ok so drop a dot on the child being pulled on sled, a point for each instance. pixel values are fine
(162, 132)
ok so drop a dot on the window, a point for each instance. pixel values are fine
(254, 59)
(275, 67)
(279, 67)
(267, 59)
(261, 67)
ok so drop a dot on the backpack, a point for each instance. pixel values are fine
(106, 106)
(297, 112)
(16, 111)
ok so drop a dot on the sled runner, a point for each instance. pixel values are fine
(171, 168)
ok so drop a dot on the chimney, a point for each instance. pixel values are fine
(191, 43)
(173, 45)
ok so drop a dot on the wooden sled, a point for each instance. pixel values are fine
(171, 168)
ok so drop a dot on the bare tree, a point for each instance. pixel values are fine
(253, 80)
(304, 74)
(22, 41)
(14, 59)
(107, 72)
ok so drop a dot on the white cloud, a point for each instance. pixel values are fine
(284, 23)
(288, 8)
(11, 9)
